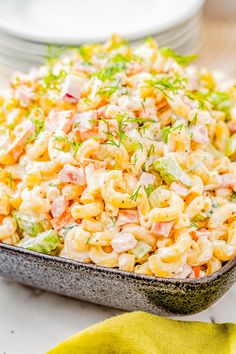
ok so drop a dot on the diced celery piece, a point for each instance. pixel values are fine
(170, 170)
(29, 224)
(45, 242)
(141, 249)
(230, 148)
(154, 198)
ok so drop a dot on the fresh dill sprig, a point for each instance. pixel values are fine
(117, 139)
(198, 96)
(217, 100)
(134, 196)
(140, 146)
(149, 189)
(107, 91)
(165, 132)
(135, 159)
(142, 104)
(75, 145)
(115, 65)
(39, 127)
(194, 225)
(113, 220)
(183, 60)
(117, 136)
(88, 239)
(52, 81)
(139, 120)
(166, 84)
(135, 156)
(194, 120)
(150, 150)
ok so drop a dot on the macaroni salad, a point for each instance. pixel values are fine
(121, 156)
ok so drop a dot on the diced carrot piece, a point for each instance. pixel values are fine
(2, 217)
(194, 235)
(196, 271)
(62, 220)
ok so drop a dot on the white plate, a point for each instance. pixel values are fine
(26, 49)
(79, 21)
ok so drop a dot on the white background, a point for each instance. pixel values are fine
(33, 321)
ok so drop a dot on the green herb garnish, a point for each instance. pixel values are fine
(166, 84)
(149, 189)
(150, 150)
(183, 60)
(134, 196)
(115, 65)
(107, 91)
(53, 81)
(39, 127)
(75, 145)
(10, 179)
(194, 225)
(165, 132)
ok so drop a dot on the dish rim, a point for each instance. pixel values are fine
(134, 276)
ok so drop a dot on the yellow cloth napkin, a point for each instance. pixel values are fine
(142, 333)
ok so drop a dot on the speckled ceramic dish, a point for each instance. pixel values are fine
(115, 288)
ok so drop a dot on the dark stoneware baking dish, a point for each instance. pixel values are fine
(112, 287)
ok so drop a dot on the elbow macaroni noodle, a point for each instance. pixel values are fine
(126, 155)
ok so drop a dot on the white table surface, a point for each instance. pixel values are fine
(32, 321)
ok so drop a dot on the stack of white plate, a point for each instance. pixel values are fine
(28, 27)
